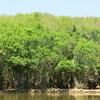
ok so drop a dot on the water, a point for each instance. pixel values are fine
(27, 96)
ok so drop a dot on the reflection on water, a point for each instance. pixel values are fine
(27, 96)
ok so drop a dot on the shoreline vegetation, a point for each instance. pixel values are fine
(43, 51)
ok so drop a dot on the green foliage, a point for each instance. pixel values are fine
(65, 65)
(42, 44)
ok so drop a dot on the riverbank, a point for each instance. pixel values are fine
(68, 91)
(14, 91)
(84, 92)
(55, 91)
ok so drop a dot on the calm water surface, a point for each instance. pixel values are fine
(27, 96)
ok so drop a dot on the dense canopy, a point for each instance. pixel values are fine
(42, 50)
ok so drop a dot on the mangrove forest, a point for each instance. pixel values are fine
(40, 51)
